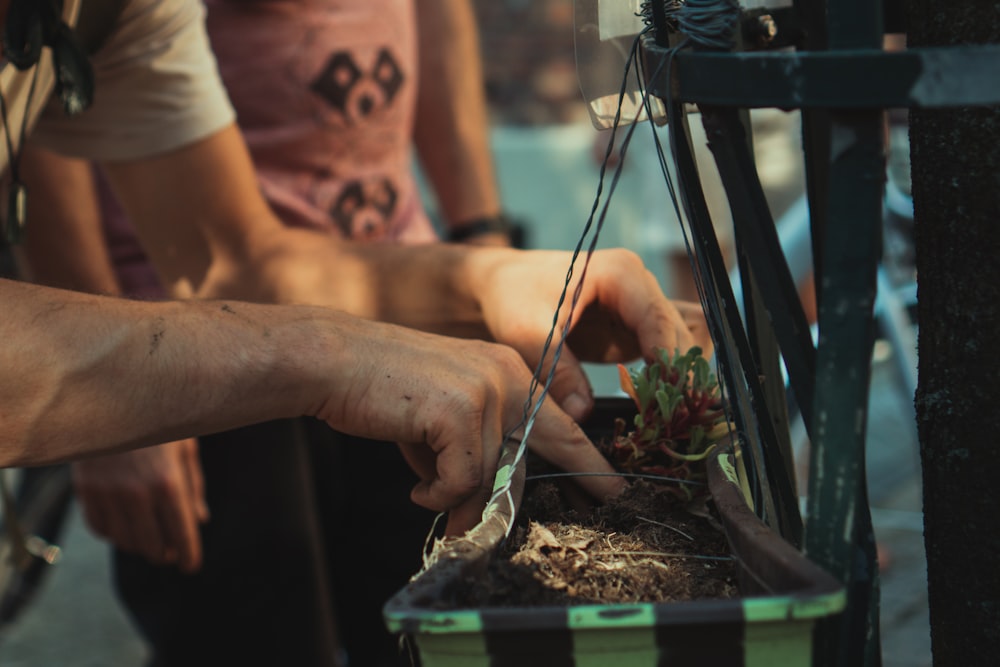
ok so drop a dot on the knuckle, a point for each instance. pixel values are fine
(509, 360)
(627, 259)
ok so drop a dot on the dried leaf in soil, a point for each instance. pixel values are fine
(641, 547)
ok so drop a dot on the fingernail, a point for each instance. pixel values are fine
(576, 406)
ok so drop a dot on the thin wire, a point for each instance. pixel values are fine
(710, 23)
(667, 526)
(670, 8)
(13, 159)
(636, 475)
(663, 554)
(700, 287)
(6, 134)
(531, 411)
(12, 229)
(681, 218)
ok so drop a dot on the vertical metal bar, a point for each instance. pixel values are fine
(839, 534)
(728, 143)
(733, 351)
(815, 132)
(763, 341)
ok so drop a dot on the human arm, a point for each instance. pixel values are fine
(148, 501)
(185, 177)
(451, 129)
(120, 374)
(209, 229)
(221, 240)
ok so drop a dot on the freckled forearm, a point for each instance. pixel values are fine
(86, 375)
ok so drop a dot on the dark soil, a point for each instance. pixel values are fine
(645, 546)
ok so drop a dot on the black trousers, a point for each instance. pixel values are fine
(310, 533)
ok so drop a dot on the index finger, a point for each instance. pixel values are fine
(633, 293)
(558, 439)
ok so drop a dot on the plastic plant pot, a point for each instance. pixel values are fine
(781, 596)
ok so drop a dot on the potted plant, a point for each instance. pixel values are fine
(679, 432)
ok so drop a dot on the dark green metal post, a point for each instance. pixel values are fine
(839, 533)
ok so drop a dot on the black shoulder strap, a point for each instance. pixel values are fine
(96, 21)
(31, 24)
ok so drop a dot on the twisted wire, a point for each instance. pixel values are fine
(710, 24)
(539, 388)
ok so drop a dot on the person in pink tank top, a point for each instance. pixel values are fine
(329, 112)
(331, 97)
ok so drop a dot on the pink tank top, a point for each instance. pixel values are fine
(324, 92)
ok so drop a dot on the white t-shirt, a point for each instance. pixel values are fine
(157, 88)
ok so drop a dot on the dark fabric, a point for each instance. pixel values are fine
(305, 524)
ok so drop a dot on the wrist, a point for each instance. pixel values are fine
(497, 224)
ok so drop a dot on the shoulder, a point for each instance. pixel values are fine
(135, 27)
(156, 85)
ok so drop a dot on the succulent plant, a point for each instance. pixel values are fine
(680, 418)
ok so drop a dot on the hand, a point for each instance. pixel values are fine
(694, 318)
(449, 402)
(622, 314)
(148, 501)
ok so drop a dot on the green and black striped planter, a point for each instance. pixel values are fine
(783, 595)
(756, 632)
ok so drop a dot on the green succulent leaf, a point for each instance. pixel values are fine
(673, 430)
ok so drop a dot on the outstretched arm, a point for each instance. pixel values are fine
(221, 240)
(120, 374)
(97, 374)
(92, 374)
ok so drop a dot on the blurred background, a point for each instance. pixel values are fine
(548, 156)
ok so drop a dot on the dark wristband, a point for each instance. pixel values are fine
(492, 224)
